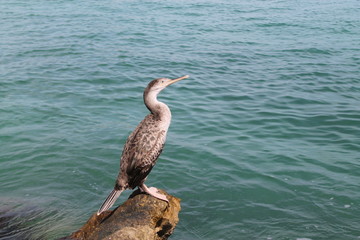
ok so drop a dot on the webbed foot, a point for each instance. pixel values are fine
(153, 192)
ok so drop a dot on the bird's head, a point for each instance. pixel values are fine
(159, 84)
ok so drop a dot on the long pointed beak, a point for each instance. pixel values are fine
(176, 80)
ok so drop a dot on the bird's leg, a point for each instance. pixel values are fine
(153, 192)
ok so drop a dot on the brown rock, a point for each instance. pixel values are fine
(140, 217)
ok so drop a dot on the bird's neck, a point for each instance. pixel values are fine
(159, 109)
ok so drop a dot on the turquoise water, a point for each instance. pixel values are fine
(265, 137)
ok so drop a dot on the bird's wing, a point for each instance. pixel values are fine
(144, 158)
(141, 151)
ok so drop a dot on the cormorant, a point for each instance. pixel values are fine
(144, 145)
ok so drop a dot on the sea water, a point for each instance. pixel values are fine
(265, 137)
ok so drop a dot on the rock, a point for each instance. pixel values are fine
(140, 217)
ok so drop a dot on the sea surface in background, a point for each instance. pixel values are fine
(265, 137)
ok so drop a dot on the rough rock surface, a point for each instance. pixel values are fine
(140, 217)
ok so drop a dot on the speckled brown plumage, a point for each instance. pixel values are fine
(140, 153)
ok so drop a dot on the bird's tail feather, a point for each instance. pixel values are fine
(110, 200)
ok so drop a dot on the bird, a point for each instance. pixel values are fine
(144, 145)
